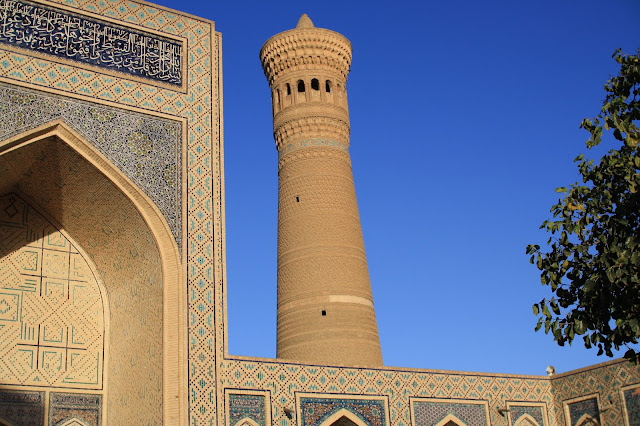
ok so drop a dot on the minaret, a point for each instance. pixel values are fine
(325, 306)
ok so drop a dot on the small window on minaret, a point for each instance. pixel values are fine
(327, 86)
(324, 313)
(297, 199)
(315, 84)
(288, 89)
(300, 86)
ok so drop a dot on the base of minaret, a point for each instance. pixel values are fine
(332, 330)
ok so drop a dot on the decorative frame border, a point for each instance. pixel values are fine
(181, 88)
(624, 402)
(256, 392)
(545, 414)
(482, 402)
(565, 407)
(329, 396)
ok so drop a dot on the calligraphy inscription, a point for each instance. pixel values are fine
(90, 41)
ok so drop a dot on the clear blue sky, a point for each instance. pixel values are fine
(464, 118)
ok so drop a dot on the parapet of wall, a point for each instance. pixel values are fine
(610, 392)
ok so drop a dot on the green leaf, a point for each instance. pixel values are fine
(539, 324)
(589, 286)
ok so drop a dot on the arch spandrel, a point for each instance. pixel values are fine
(146, 149)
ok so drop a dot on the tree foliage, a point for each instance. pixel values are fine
(592, 259)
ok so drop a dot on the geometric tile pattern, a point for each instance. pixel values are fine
(51, 310)
(603, 380)
(578, 409)
(22, 407)
(517, 411)
(75, 409)
(428, 413)
(243, 406)
(147, 149)
(90, 41)
(314, 411)
(284, 381)
(632, 405)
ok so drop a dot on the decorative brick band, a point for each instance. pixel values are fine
(90, 41)
(300, 49)
(314, 153)
(309, 128)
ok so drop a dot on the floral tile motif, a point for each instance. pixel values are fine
(243, 406)
(147, 149)
(316, 410)
(64, 407)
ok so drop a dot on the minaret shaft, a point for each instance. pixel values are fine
(325, 305)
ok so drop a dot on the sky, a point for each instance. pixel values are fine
(464, 119)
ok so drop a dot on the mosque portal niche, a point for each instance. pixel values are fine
(52, 320)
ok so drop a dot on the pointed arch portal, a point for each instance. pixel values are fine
(122, 237)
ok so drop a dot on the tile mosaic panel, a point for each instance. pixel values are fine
(85, 409)
(22, 408)
(427, 413)
(147, 149)
(51, 312)
(578, 409)
(517, 411)
(314, 411)
(632, 405)
(72, 36)
(242, 406)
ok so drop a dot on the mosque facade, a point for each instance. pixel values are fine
(112, 243)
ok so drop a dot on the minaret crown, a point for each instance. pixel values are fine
(305, 47)
(305, 22)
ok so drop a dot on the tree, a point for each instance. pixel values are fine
(592, 260)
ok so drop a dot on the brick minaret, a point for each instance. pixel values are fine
(325, 306)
